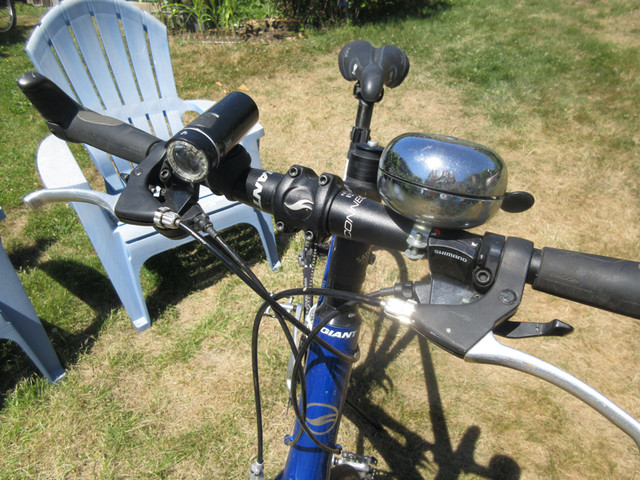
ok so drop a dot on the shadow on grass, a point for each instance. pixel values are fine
(18, 35)
(176, 274)
(403, 449)
(86, 283)
(27, 257)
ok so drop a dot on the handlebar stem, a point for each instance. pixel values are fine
(319, 206)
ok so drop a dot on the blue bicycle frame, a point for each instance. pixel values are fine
(326, 375)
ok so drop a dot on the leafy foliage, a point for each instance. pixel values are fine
(319, 12)
(201, 15)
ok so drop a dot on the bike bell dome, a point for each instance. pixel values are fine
(441, 182)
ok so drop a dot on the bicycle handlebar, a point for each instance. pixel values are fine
(70, 121)
(302, 200)
(486, 273)
(603, 282)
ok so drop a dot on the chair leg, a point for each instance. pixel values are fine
(116, 260)
(20, 323)
(126, 281)
(29, 334)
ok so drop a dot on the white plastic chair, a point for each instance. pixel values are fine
(114, 58)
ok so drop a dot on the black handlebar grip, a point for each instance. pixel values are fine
(602, 282)
(71, 122)
(52, 103)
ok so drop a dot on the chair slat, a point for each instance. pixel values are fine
(110, 28)
(132, 23)
(90, 45)
(66, 49)
(39, 51)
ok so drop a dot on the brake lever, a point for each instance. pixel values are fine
(135, 205)
(37, 199)
(490, 351)
(457, 328)
(554, 328)
(467, 330)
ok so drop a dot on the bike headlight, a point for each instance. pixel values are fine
(189, 161)
(196, 150)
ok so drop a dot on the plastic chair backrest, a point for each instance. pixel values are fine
(113, 58)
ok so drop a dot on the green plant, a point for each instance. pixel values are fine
(198, 15)
(224, 13)
(194, 16)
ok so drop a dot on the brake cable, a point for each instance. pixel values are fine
(282, 314)
(311, 337)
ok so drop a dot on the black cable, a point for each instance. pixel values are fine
(265, 295)
(255, 286)
(301, 416)
(215, 235)
(258, 288)
(294, 349)
(256, 376)
(328, 292)
(281, 314)
(203, 223)
(297, 370)
(297, 367)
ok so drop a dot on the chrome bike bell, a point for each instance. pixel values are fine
(442, 182)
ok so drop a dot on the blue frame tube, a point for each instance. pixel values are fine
(327, 378)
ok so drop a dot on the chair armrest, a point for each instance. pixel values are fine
(63, 179)
(57, 165)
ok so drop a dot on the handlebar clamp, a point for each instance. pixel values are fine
(304, 199)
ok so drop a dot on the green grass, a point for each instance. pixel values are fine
(21, 128)
(553, 86)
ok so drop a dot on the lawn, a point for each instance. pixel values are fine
(552, 86)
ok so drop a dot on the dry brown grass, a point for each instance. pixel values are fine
(577, 207)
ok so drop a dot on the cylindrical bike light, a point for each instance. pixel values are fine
(197, 149)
